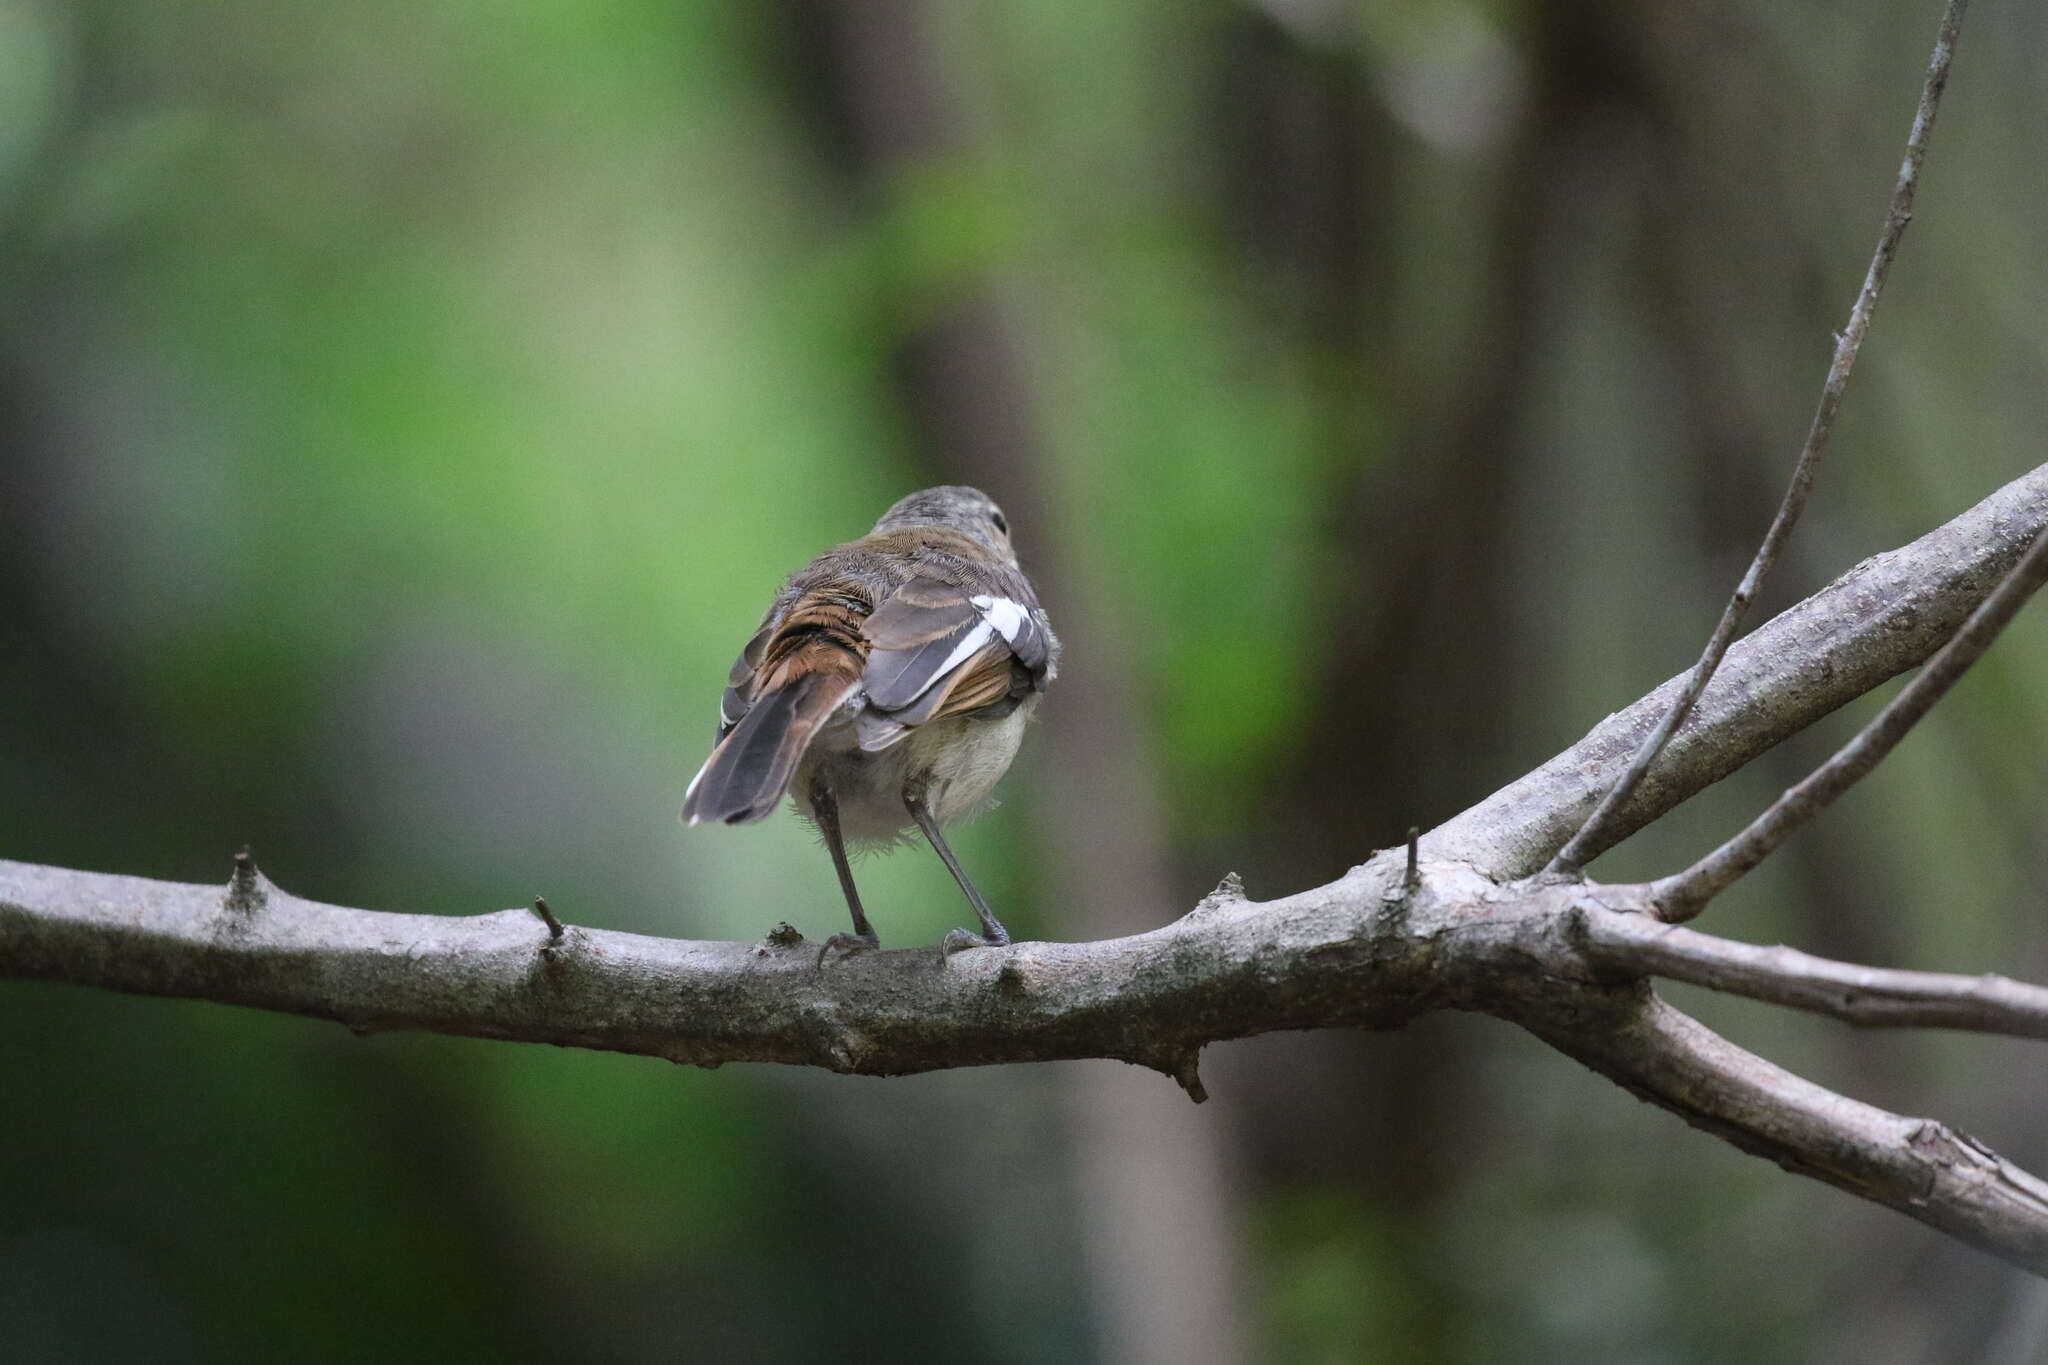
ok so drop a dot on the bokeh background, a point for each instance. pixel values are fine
(407, 408)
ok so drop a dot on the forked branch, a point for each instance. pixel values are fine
(1682, 895)
(1869, 997)
(1881, 618)
(1599, 830)
(1924, 1169)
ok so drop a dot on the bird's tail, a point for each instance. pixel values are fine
(748, 772)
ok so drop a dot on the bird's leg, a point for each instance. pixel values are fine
(992, 935)
(825, 810)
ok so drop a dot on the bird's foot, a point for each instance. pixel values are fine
(957, 939)
(852, 943)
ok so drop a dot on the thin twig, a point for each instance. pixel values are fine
(1869, 997)
(547, 917)
(245, 893)
(1681, 896)
(1588, 841)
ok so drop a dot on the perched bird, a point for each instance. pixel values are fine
(887, 687)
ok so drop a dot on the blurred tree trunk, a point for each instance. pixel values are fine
(1419, 589)
(1154, 1174)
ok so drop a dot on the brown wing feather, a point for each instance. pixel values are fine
(985, 679)
(790, 679)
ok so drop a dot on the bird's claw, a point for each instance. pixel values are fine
(958, 939)
(852, 943)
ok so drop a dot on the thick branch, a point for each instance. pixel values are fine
(1872, 997)
(1881, 618)
(1153, 998)
(1923, 1169)
(1362, 951)
(1594, 835)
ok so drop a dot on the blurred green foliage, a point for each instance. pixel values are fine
(409, 409)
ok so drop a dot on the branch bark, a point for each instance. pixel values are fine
(1924, 1169)
(1154, 998)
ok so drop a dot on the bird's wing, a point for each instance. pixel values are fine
(941, 647)
(743, 683)
(793, 677)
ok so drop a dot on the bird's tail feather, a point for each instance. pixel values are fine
(748, 772)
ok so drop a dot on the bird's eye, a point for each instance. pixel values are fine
(996, 518)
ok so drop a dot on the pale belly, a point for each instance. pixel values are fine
(959, 760)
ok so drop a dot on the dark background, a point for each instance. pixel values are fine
(409, 407)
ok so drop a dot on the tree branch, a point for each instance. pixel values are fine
(1921, 1168)
(1152, 998)
(1372, 949)
(1870, 997)
(1594, 835)
(1362, 951)
(1881, 618)
(1684, 894)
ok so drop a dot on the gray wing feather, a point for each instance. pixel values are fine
(897, 677)
(931, 628)
(740, 683)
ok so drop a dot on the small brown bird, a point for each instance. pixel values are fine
(887, 687)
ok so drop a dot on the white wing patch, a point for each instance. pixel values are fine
(1006, 616)
(878, 729)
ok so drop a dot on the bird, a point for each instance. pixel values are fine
(886, 690)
